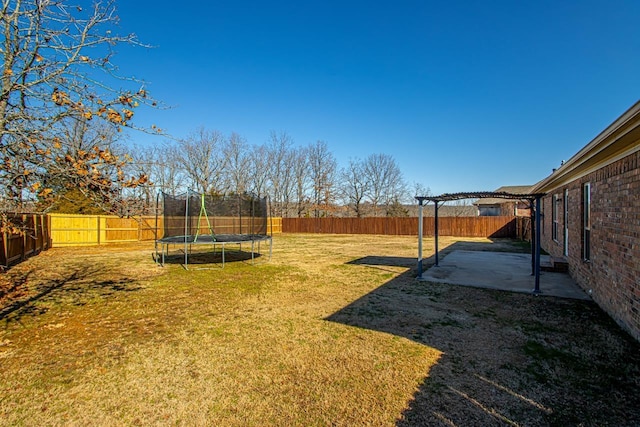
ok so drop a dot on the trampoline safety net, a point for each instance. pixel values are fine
(193, 214)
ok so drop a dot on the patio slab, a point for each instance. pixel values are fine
(503, 271)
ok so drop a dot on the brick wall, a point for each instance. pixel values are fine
(613, 272)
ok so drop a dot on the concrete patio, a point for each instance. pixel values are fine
(503, 271)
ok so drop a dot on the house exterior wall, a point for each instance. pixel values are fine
(489, 210)
(612, 275)
(523, 209)
(506, 208)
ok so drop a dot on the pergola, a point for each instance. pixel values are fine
(447, 197)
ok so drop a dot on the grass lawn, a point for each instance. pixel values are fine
(334, 330)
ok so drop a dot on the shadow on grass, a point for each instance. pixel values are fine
(76, 286)
(201, 256)
(508, 359)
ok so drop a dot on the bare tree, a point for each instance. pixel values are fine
(279, 157)
(169, 174)
(463, 207)
(56, 65)
(354, 186)
(237, 158)
(202, 158)
(322, 167)
(259, 170)
(162, 165)
(288, 183)
(301, 178)
(420, 190)
(385, 181)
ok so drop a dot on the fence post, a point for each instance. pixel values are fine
(5, 248)
(103, 229)
(48, 235)
(35, 233)
(24, 238)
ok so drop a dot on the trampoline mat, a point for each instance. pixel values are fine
(214, 238)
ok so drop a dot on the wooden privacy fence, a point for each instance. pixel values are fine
(44, 231)
(475, 226)
(274, 225)
(34, 238)
(87, 230)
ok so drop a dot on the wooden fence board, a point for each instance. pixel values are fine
(477, 226)
(75, 230)
(35, 238)
(84, 230)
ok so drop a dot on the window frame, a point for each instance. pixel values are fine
(586, 221)
(554, 217)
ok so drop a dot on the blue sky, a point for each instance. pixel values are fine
(465, 95)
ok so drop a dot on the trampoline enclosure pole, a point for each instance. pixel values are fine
(240, 212)
(157, 210)
(267, 206)
(186, 229)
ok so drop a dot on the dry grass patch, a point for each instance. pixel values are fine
(333, 331)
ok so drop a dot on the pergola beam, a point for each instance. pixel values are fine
(535, 238)
(447, 197)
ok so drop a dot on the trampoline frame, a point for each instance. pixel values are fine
(222, 240)
(219, 239)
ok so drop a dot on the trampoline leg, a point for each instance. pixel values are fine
(260, 247)
(252, 246)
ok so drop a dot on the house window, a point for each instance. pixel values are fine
(554, 217)
(586, 222)
(542, 220)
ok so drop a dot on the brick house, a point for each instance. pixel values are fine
(505, 207)
(591, 217)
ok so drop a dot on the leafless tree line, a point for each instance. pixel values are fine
(300, 181)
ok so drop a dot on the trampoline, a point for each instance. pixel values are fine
(194, 223)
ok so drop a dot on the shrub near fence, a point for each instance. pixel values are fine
(35, 238)
(476, 226)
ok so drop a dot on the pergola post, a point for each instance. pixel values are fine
(532, 218)
(420, 220)
(536, 290)
(435, 232)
